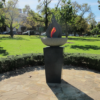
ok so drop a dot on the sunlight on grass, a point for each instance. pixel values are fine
(22, 44)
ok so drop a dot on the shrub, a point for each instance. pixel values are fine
(18, 61)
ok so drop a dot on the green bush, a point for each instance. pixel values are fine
(98, 35)
(19, 61)
(91, 61)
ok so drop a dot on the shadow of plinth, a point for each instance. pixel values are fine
(66, 91)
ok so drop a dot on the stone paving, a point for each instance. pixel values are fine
(30, 84)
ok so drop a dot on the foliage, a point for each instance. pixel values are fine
(99, 5)
(68, 18)
(82, 26)
(14, 62)
(2, 16)
(95, 30)
(86, 60)
(44, 10)
(79, 20)
(98, 25)
(11, 15)
(31, 21)
(26, 9)
(66, 12)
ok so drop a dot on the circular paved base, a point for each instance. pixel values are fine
(29, 84)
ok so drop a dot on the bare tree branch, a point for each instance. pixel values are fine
(58, 4)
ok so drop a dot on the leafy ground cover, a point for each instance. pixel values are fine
(22, 44)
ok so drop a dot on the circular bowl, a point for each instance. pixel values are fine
(54, 41)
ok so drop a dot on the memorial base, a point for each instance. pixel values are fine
(53, 59)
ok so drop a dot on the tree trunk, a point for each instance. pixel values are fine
(66, 30)
(74, 33)
(66, 35)
(46, 21)
(46, 16)
(11, 31)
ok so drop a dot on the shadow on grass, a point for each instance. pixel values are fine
(86, 47)
(66, 91)
(66, 46)
(83, 39)
(3, 52)
(14, 38)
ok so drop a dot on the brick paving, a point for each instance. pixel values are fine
(30, 84)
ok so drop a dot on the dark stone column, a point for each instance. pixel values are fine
(53, 58)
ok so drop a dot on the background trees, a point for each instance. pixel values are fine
(80, 22)
(96, 29)
(66, 13)
(70, 16)
(26, 9)
(43, 12)
(2, 17)
(99, 5)
(11, 15)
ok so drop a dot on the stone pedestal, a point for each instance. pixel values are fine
(53, 58)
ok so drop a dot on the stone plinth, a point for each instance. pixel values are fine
(53, 58)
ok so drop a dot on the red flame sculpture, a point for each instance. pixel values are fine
(53, 31)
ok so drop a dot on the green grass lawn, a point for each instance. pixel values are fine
(22, 44)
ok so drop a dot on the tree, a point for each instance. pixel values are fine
(2, 17)
(26, 9)
(92, 24)
(81, 27)
(80, 10)
(66, 14)
(11, 15)
(44, 10)
(95, 30)
(34, 19)
(98, 25)
(91, 18)
(99, 5)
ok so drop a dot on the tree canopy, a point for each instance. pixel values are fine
(2, 15)
(11, 15)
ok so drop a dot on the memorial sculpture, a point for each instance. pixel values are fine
(53, 34)
(53, 54)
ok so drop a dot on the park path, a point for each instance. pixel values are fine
(30, 84)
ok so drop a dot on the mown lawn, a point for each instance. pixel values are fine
(32, 44)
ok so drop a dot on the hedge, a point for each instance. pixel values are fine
(13, 62)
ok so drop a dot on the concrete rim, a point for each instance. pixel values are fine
(54, 41)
